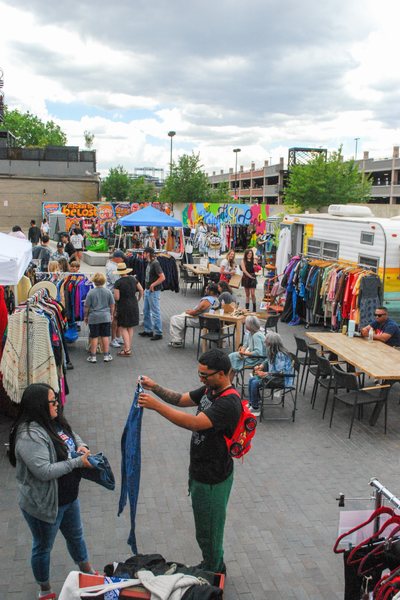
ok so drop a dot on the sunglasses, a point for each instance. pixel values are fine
(379, 314)
(206, 375)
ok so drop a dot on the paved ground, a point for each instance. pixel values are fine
(283, 515)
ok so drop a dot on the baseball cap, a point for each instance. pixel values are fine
(149, 249)
(60, 245)
(118, 254)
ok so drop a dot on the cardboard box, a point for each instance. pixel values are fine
(235, 281)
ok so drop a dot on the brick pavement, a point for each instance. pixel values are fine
(282, 518)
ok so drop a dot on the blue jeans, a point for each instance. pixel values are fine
(152, 313)
(254, 392)
(69, 523)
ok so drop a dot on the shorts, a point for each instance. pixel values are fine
(99, 330)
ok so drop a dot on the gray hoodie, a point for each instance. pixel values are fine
(38, 470)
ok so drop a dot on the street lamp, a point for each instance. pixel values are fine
(171, 135)
(236, 150)
(355, 152)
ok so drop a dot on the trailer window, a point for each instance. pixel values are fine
(368, 262)
(367, 238)
(323, 249)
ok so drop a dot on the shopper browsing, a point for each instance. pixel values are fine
(152, 314)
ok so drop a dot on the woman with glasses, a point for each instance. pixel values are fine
(42, 444)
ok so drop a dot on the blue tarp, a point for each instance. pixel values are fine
(149, 216)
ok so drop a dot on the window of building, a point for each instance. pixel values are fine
(368, 262)
(323, 249)
(367, 238)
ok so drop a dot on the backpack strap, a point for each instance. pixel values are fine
(228, 391)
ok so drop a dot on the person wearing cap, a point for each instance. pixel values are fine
(115, 259)
(59, 253)
(152, 314)
(126, 290)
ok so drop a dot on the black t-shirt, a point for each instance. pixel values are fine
(68, 485)
(34, 234)
(69, 248)
(209, 458)
(153, 272)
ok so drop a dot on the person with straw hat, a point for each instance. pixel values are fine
(127, 293)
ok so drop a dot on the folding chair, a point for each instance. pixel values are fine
(285, 391)
(272, 322)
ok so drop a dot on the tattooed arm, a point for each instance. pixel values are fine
(169, 396)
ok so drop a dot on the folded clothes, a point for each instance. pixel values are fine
(101, 472)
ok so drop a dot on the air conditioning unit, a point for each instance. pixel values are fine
(349, 210)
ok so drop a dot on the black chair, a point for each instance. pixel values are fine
(301, 347)
(189, 279)
(246, 368)
(311, 365)
(193, 326)
(216, 332)
(272, 322)
(355, 396)
(278, 383)
(323, 378)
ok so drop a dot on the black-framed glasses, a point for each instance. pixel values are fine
(206, 375)
(53, 402)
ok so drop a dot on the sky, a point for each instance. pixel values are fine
(260, 75)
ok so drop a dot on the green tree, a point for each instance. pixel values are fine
(29, 130)
(117, 185)
(220, 194)
(142, 190)
(326, 181)
(89, 139)
(187, 182)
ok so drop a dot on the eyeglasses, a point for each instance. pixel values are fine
(379, 314)
(53, 402)
(206, 375)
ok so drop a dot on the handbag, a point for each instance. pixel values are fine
(72, 333)
(189, 247)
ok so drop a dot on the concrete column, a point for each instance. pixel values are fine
(394, 174)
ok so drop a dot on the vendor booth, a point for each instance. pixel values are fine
(15, 256)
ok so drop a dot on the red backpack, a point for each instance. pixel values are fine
(240, 443)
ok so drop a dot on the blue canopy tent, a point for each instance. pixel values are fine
(148, 217)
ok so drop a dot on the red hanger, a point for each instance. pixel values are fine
(395, 519)
(383, 510)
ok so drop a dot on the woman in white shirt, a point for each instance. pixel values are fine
(44, 228)
(228, 266)
(77, 240)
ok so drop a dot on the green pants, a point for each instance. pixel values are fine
(209, 502)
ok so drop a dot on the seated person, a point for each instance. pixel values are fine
(177, 322)
(225, 293)
(385, 330)
(275, 372)
(253, 349)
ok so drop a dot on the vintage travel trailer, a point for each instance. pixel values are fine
(351, 234)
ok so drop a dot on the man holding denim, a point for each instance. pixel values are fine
(151, 311)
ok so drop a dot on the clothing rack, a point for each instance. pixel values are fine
(382, 491)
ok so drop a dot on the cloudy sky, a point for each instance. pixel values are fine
(261, 75)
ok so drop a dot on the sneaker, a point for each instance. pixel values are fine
(48, 596)
(120, 340)
(175, 344)
(255, 411)
(115, 343)
(91, 359)
(157, 336)
(107, 357)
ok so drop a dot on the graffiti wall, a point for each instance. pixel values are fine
(227, 214)
(101, 211)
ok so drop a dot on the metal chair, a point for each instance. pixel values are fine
(311, 364)
(194, 327)
(189, 279)
(355, 396)
(301, 347)
(216, 332)
(272, 322)
(323, 378)
(240, 375)
(279, 384)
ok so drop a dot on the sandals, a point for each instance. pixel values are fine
(125, 353)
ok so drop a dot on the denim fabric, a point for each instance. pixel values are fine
(101, 472)
(152, 313)
(131, 464)
(254, 392)
(69, 523)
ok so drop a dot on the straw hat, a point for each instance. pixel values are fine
(122, 269)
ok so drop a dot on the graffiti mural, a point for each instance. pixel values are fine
(226, 214)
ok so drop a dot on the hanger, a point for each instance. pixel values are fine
(394, 520)
(383, 510)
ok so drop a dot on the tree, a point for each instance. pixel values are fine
(89, 138)
(187, 182)
(29, 130)
(220, 194)
(326, 181)
(117, 185)
(142, 190)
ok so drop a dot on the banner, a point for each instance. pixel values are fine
(99, 211)
(226, 214)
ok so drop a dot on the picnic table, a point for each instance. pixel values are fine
(376, 359)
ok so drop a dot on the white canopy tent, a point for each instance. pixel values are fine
(15, 256)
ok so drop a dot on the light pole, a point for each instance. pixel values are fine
(355, 151)
(171, 135)
(236, 150)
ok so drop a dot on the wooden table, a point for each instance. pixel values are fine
(227, 318)
(376, 359)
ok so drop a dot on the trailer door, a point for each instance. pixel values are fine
(297, 238)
